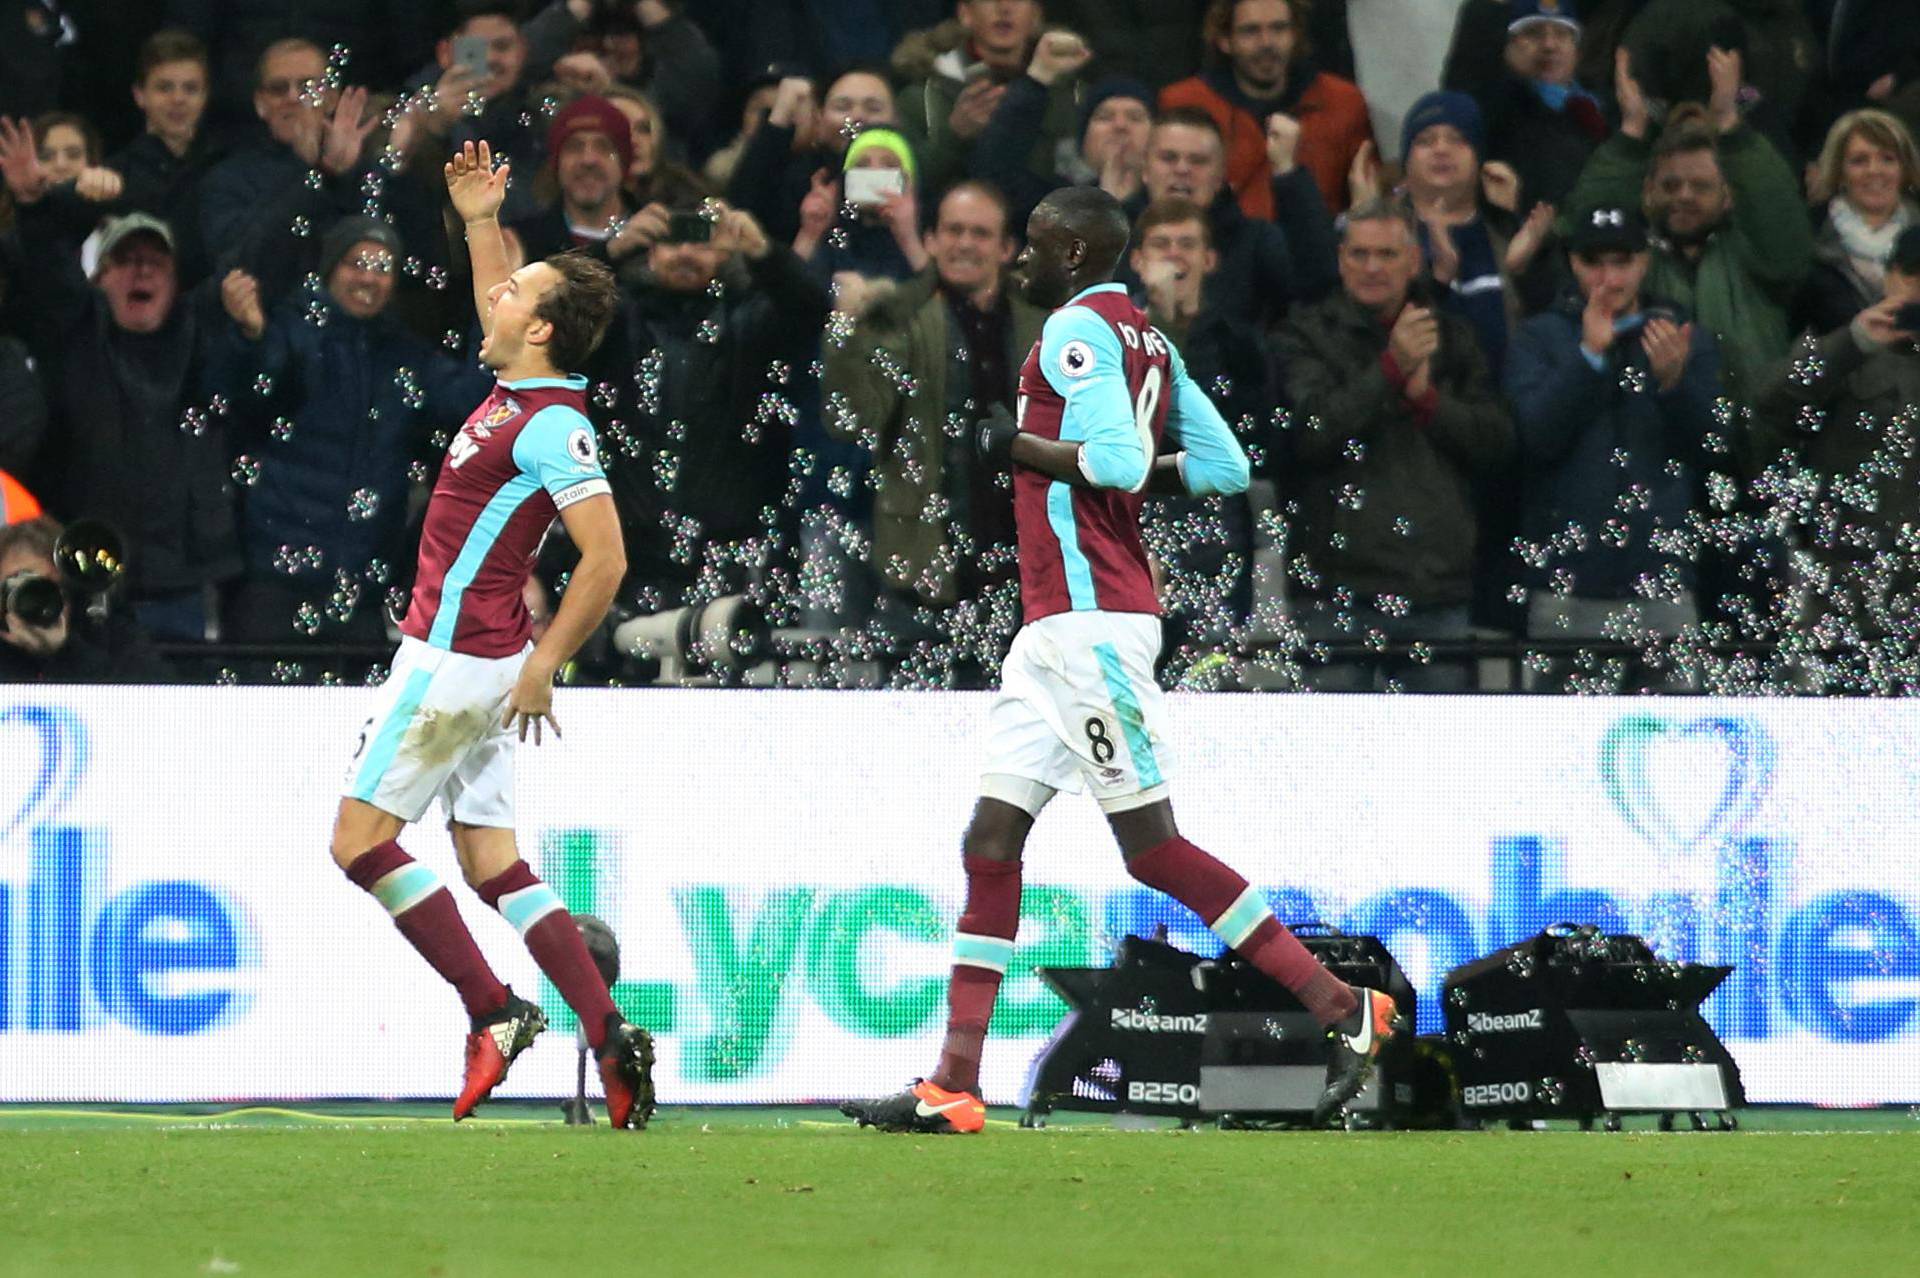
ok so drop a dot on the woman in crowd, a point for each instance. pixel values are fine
(1866, 190)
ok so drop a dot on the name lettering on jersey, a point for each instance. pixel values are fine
(462, 449)
(1149, 341)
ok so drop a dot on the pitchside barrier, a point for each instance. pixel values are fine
(782, 870)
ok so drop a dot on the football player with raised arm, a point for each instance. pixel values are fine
(468, 682)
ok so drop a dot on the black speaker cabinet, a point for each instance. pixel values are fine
(1263, 1059)
(1131, 1041)
(1164, 1032)
(1575, 1024)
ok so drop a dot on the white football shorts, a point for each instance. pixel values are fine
(435, 733)
(1078, 700)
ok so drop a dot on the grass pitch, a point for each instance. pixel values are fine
(717, 1192)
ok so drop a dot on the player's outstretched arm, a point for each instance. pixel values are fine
(594, 526)
(477, 190)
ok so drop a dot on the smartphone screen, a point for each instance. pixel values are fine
(470, 54)
(874, 186)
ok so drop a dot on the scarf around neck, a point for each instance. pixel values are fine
(1867, 249)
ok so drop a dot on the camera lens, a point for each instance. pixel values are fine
(35, 600)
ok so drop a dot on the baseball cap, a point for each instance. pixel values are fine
(119, 229)
(1526, 13)
(1608, 228)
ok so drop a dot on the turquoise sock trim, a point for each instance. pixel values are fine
(402, 889)
(528, 906)
(1239, 920)
(990, 952)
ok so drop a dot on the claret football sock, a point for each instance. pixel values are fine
(1240, 917)
(981, 948)
(550, 933)
(424, 911)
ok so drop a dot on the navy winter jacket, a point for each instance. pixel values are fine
(1595, 448)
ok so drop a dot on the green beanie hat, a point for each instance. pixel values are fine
(884, 140)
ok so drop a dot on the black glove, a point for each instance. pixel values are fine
(994, 437)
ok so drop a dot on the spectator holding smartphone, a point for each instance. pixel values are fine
(882, 237)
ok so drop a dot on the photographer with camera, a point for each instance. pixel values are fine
(44, 638)
(1832, 403)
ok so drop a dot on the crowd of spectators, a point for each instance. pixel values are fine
(1584, 324)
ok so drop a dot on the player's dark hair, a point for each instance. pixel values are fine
(1090, 214)
(171, 45)
(580, 307)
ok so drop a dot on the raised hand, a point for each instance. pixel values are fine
(736, 231)
(1626, 91)
(1526, 242)
(240, 295)
(640, 232)
(1667, 345)
(583, 73)
(447, 99)
(974, 107)
(476, 188)
(820, 205)
(1363, 175)
(853, 293)
(1879, 325)
(346, 133)
(901, 213)
(1501, 185)
(98, 184)
(1058, 53)
(1724, 73)
(1443, 255)
(20, 161)
(1414, 339)
(1596, 324)
(1283, 142)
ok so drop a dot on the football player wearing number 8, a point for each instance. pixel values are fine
(1107, 414)
(468, 682)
